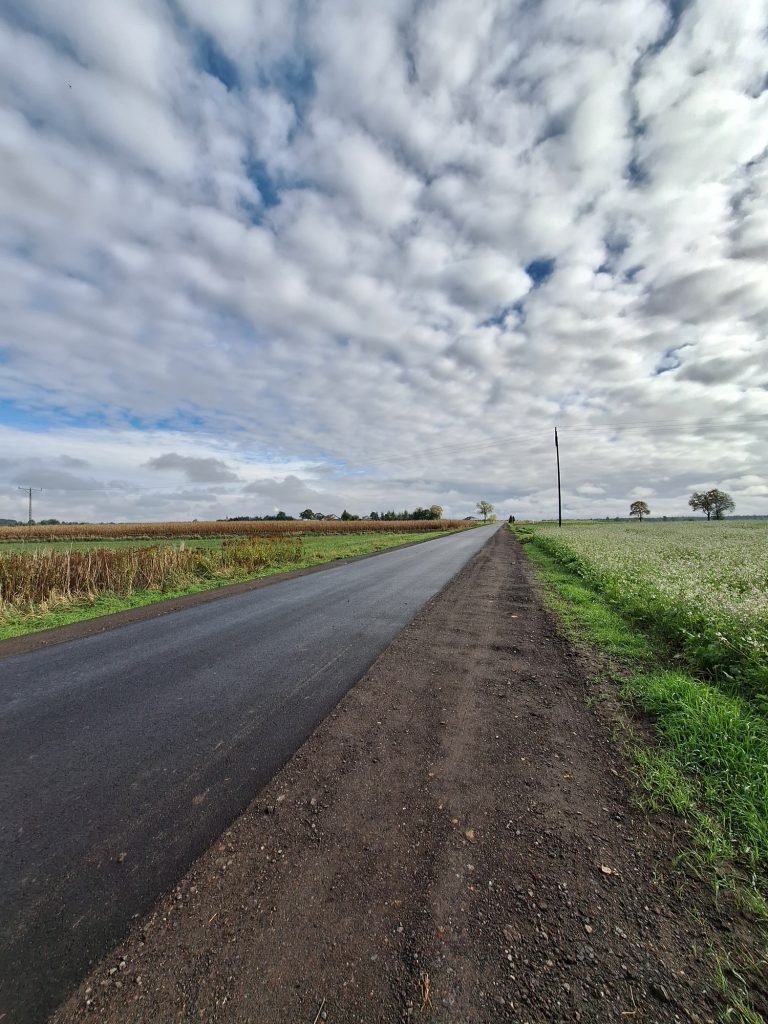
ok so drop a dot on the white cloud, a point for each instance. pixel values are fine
(294, 243)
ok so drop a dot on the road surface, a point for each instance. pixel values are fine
(123, 755)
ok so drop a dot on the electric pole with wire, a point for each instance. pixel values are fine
(29, 490)
(559, 494)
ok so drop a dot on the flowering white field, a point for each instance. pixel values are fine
(702, 585)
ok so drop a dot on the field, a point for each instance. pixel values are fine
(46, 583)
(701, 586)
(678, 615)
(228, 528)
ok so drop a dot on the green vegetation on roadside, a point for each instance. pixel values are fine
(316, 549)
(701, 588)
(709, 761)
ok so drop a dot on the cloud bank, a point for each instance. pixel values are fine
(264, 255)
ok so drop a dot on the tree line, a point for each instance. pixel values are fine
(433, 512)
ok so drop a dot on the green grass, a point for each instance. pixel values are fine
(317, 549)
(581, 611)
(709, 761)
(698, 587)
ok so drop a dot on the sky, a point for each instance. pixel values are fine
(274, 255)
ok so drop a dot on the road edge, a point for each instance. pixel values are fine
(115, 620)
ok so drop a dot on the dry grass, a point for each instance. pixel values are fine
(29, 579)
(195, 531)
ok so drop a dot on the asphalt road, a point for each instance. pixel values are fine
(148, 740)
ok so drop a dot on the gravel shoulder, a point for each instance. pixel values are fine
(457, 841)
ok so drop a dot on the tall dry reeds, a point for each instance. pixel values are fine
(40, 577)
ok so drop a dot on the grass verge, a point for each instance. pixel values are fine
(317, 549)
(708, 760)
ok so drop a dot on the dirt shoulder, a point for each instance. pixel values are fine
(456, 842)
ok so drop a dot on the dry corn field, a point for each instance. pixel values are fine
(197, 531)
(30, 579)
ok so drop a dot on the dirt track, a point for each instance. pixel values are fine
(457, 842)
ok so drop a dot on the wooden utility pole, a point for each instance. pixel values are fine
(559, 493)
(29, 490)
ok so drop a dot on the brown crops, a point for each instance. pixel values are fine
(38, 577)
(195, 531)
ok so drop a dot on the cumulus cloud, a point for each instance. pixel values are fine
(196, 470)
(293, 248)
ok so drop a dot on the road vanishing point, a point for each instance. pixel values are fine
(123, 755)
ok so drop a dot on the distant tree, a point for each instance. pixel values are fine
(307, 514)
(347, 516)
(511, 519)
(433, 512)
(485, 508)
(280, 515)
(374, 516)
(639, 509)
(698, 503)
(721, 502)
(714, 503)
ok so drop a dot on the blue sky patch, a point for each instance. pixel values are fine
(636, 172)
(257, 172)
(497, 320)
(215, 62)
(294, 78)
(669, 361)
(34, 418)
(540, 271)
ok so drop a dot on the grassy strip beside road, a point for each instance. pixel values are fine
(710, 759)
(314, 549)
(700, 587)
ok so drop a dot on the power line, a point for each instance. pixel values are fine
(29, 490)
(477, 446)
(559, 492)
(668, 424)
